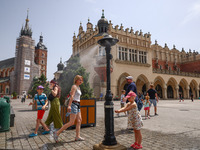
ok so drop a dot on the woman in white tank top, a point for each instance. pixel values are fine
(74, 109)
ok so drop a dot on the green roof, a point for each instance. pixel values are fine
(7, 63)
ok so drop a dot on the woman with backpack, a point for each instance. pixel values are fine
(54, 112)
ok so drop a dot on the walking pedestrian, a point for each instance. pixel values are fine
(153, 98)
(134, 118)
(54, 112)
(181, 97)
(146, 106)
(192, 96)
(140, 101)
(73, 109)
(122, 100)
(131, 87)
(41, 100)
(101, 97)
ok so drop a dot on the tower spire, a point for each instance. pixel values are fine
(102, 14)
(27, 20)
(26, 30)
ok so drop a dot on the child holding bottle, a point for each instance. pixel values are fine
(134, 118)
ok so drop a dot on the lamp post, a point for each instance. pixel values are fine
(107, 41)
(109, 141)
(109, 137)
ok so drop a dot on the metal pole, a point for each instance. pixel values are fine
(109, 137)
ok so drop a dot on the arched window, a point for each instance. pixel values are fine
(159, 90)
(43, 62)
(170, 93)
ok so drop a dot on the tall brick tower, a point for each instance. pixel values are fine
(41, 56)
(25, 68)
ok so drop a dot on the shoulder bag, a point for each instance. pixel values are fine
(46, 107)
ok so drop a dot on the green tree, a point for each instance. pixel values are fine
(65, 81)
(42, 80)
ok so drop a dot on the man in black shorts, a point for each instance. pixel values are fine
(153, 98)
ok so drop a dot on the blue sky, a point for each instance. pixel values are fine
(169, 21)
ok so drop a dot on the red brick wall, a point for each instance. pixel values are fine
(39, 58)
(162, 63)
(191, 67)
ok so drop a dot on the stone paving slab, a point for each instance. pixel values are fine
(17, 137)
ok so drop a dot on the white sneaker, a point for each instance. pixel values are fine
(55, 136)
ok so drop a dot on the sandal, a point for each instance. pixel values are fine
(79, 139)
(32, 135)
(138, 146)
(134, 145)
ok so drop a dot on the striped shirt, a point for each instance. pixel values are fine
(42, 99)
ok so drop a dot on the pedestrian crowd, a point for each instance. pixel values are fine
(134, 102)
(73, 109)
(131, 104)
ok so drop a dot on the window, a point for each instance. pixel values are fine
(132, 55)
(43, 55)
(145, 57)
(7, 90)
(142, 57)
(120, 53)
(126, 54)
(102, 51)
(136, 56)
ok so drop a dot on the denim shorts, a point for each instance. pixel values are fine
(75, 109)
(154, 102)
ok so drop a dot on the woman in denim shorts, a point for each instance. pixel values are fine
(74, 110)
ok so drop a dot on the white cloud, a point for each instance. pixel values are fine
(193, 13)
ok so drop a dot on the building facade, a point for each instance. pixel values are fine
(30, 61)
(172, 72)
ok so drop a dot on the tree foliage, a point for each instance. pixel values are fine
(42, 80)
(65, 81)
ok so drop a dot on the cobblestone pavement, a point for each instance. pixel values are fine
(176, 127)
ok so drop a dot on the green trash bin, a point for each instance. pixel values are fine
(4, 114)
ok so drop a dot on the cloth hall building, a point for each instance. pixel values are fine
(172, 71)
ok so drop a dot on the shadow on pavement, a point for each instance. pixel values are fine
(18, 138)
(120, 116)
(123, 131)
(50, 146)
(25, 110)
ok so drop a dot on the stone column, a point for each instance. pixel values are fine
(177, 92)
(187, 92)
(165, 91)
(197, 93)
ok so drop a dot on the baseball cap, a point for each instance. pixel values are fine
(129, 77)
(131, 94)
(40, 87)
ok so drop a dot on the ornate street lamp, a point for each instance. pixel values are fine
(107, 41)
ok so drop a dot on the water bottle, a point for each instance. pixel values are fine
(67, 114)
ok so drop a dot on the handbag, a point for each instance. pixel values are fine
(51, 97)
(67, 100)
(46, 107)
